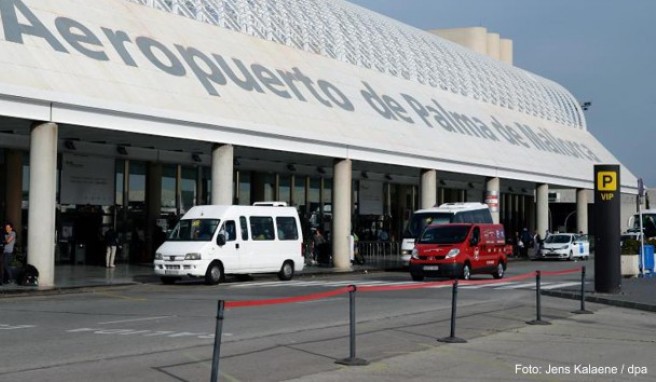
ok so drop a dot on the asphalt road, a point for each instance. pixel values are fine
(152, 332)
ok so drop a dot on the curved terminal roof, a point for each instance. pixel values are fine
(346, 32)
(318, 77)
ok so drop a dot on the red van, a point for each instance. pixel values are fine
(460, 250)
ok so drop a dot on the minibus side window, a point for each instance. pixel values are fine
(230, 230)
(244, 228)
(262, 227)
(287, 228)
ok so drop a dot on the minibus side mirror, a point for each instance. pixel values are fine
(221, 239)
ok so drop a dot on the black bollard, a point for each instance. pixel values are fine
(352, 360)
(582, 310)
(452, 339)
(538, 320)
(217, 342)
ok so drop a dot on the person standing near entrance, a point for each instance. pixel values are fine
(111, 241)
(7, 253)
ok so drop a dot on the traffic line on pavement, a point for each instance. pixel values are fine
(518, 286)
(440, 286)
(561, 285)
(249, 285)
(133, 320)
(478, 286)
(14, 327)
(141, 333)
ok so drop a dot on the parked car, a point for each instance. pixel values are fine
(568, 246)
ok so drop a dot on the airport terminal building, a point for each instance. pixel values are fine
(125, 113)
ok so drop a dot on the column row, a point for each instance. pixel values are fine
(42, 202)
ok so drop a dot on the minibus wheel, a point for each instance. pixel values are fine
(286, 271)
(213, 274)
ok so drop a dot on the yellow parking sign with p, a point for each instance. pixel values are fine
(607, 181)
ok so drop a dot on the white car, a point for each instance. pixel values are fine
(568, 246)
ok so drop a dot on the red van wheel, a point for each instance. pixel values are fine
(500, 271)
(466, 272)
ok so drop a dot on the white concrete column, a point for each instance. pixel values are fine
(542, 208)
(222, 170)
(341, 230)
(42, 201)
(428, 188)
(581, 210)
(492, 186)
(14, 194)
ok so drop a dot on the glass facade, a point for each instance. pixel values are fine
(188, 191)
(244, 189)
(80, 227)
(284, 189)
(169, 188)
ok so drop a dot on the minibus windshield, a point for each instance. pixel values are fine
(194, 230)
(419, 221)
(444, 234)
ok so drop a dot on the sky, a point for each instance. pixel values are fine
(602, 51)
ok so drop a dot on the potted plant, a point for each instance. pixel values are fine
(630, 258)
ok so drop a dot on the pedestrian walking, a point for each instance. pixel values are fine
(9, 242)
(319, 242)
(111, 242)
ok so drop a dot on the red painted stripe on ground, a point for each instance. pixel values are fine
(286, 300)
(384, 288)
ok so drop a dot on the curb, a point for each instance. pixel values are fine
(24, 291)
(36, 291)
(601, 300)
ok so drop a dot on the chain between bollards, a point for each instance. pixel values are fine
(217, 341)
(582, 310)
(452, 339)
(538, 320)
(352, 360)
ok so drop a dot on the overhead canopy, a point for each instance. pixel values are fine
(117, 65)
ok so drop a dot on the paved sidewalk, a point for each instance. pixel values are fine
(76, 277)
(636, 293)
(613, 344)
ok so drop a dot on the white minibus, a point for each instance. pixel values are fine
(212, 241)
(444, 214)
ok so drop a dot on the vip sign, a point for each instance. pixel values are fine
(606, 184)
